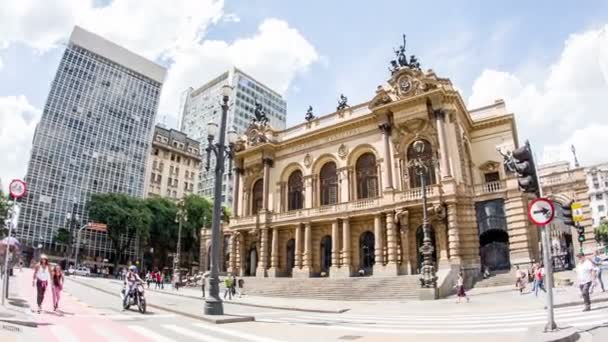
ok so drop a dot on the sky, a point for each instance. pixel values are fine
(547, 59)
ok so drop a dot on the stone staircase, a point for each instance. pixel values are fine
(497, 279)
(347, 289)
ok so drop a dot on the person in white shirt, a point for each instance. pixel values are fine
(585, 275)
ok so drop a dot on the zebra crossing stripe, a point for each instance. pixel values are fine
(107, 334)
(143, 331)
(193, 334)
(235, 333)
(63, 334)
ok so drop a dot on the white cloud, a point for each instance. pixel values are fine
(567, 106)
(18, 119)
(274, 55)
(231, 18)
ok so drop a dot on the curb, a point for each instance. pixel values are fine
(338, 311)
(223, 320)
(576, 303)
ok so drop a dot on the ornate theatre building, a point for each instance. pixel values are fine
(341, 195)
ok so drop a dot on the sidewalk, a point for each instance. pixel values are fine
(17, 322)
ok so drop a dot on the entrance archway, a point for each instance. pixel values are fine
(494, 249)
(291, 255)
(419, 239)
(366, 252)
(252, 261)
(325, 253)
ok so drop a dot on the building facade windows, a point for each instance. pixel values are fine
(367, 176)
(328, 179)
(429, 173)
(257, 198)
(295, 185)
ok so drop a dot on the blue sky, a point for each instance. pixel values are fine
(527, 52)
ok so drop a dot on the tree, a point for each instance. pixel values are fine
(163, 229)
(601, 233)
(199, 215)
(4, 205)
(64, 237)
(124, 216)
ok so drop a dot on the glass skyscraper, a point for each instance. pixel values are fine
(200, 106)
(94, 137)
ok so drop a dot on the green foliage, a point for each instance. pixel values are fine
(199, 211)
(63, 237)
(601, 233)
(4, 205)
(163, 228)
(124, 216)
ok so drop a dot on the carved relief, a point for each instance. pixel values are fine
(307, 160)
(342, 151)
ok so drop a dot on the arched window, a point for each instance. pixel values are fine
(367, 176)
(295, 189)
(257, 199)
(329, 184)
(426, 156)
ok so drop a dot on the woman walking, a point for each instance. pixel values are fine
(521, 280)
(42, 276)
(56, 285)
(460, 288)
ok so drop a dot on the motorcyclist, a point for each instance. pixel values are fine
(131, 280)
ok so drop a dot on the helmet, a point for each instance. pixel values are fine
(133, 268)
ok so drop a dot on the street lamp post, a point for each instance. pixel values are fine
(182, 215)
(428, 278)
(213, 303)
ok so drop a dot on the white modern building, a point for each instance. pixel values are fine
(597, 181)
(202, 105)
(94, 136)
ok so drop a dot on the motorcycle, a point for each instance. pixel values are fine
(136, 297)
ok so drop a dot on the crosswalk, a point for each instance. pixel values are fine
(449, 323)
(163, 332)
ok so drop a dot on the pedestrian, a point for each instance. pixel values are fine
(585, 274)
(42, 275)
(539, 279)
(176, 281)
(148, 278)
(597, 261)
(227, 283)
(233, 285)
(56, 285)
(460, 288)
(520, 280)
(241, 287)
(159, 282)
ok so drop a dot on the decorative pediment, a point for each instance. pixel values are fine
(490, 166)
(257, 133)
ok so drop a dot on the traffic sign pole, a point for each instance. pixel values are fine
(547, 261)
(17, 190)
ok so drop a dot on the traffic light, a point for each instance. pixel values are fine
(567, 214)
(525, 168)
(581, 233)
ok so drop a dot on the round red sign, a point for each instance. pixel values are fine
(17, 188)
(541, 211)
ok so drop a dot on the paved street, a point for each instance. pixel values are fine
(93, 315)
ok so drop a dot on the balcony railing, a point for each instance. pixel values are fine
(490, 187)
(416, 193)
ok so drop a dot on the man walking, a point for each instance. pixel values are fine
(584, 272)
(597, 261)
(228, 284)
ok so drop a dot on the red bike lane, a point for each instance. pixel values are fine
(73, 321)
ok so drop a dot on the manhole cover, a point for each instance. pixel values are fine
(349, 337)
(10, 328)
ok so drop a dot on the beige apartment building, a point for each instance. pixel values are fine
(339, 195)
(173, 166)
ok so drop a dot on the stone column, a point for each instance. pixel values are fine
(263, 257)
(453, 235)
(406, 266)
(442, 253)
(378, 243)
(298, 256)
(344, 184)
(240, 256)
(308, 191)
(267, 165)
(245, 205)
(387, 175)
(346, 267)
(443, 147)
(236, 191)
(232, 262)
(274, 254)
(335, 249)
(306, 270)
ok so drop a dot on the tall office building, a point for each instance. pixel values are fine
(597, 181)
(200, 106)
(94, 137)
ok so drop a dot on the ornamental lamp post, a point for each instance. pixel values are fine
(213, 303)
(421, 164)
(182, 216)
